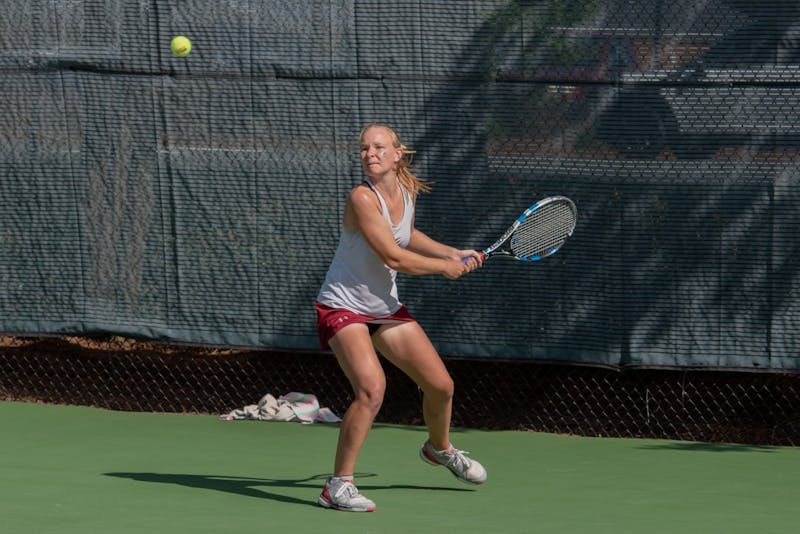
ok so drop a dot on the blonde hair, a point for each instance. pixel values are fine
(413, 184)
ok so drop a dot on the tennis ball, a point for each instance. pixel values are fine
(180, 46)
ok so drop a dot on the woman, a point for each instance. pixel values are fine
(358, 310)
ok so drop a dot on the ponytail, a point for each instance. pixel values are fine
(413, 184)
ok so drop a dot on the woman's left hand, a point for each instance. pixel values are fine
(472, 258)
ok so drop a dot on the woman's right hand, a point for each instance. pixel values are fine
(455, 269)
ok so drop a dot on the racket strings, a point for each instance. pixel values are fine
(544, 231)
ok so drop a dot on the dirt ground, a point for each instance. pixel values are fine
(112, 343)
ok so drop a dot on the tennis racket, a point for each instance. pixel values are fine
(539, 232)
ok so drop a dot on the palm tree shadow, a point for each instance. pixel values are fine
(252, 487)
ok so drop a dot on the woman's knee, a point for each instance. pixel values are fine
(441, 390)
(371, 395)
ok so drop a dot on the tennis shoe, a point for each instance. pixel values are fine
(465, 469)
(343, 495)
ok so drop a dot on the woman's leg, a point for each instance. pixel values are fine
(357, 358)
(407, 346)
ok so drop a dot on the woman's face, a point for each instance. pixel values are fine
(378, 154)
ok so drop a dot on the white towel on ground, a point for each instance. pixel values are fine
(294, 406)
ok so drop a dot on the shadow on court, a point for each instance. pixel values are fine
(708, 447)
(250, 487)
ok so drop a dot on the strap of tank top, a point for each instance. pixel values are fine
(384, 208)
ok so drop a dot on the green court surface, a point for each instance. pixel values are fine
(83, 470)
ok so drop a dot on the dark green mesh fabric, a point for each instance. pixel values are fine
(198, 199)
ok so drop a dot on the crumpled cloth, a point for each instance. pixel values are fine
(294, 406)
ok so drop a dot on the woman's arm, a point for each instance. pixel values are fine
(422, 244)
(362, 213)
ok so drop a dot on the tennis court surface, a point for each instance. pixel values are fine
(76, 469)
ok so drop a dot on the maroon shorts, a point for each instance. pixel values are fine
(331, 320)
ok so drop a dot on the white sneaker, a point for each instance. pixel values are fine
(343, 495)
(464, 469)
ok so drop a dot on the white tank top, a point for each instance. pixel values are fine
(357, 278)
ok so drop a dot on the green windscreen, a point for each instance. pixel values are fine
(198, 199)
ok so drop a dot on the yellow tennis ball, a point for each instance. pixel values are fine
(180, 46)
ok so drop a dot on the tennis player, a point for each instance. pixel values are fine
(358, 311)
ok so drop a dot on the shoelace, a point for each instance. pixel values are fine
(347, 488)
(457, 458)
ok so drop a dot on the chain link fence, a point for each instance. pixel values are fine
(121, 374)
